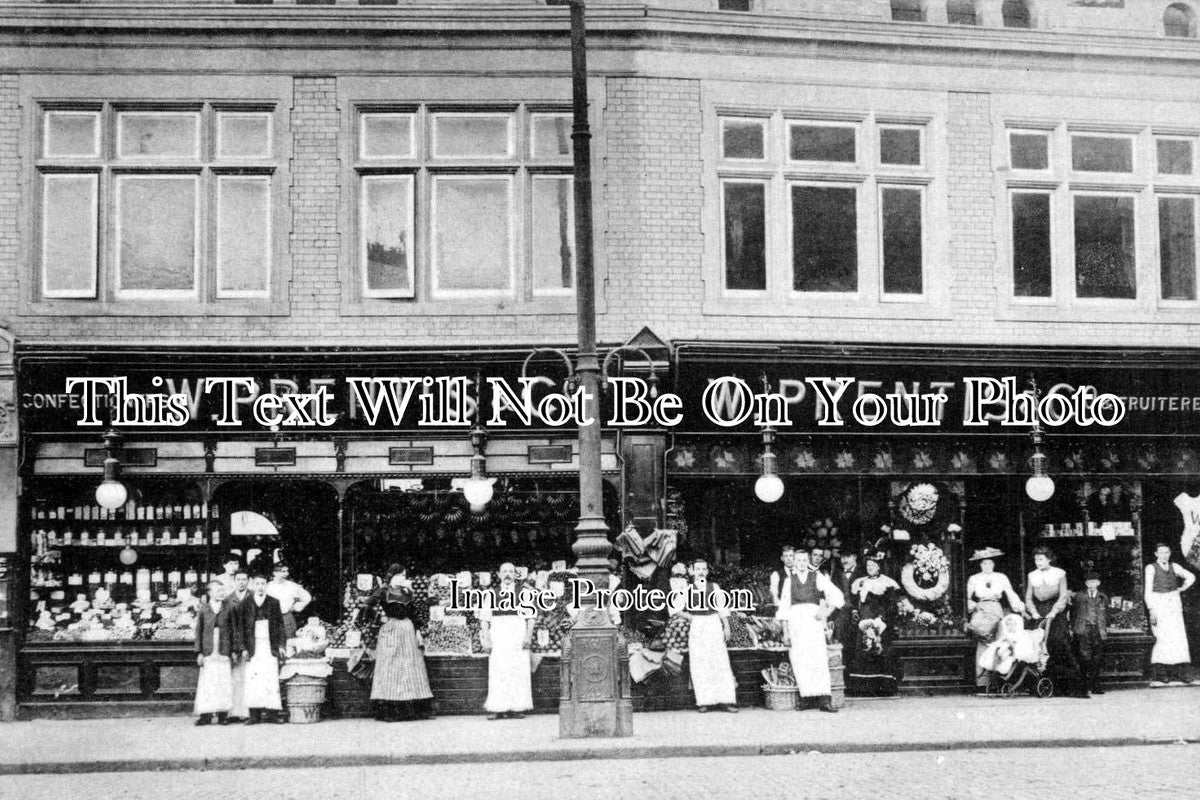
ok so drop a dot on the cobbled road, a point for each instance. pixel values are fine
(1119, 773)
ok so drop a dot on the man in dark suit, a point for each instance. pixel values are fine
(263, 642)
(843, 578)
(236, 601)
(1089, 621)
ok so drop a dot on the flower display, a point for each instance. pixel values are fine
(919, 503)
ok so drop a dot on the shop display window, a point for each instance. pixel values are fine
(128, 574)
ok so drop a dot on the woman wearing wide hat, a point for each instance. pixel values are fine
(985, 591)
(874, 672)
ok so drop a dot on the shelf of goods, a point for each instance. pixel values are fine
(118, 575)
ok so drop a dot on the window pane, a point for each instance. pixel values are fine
(908, 11)
(1031, 245)
(745, 236)
(145, 135)
(733, 5)
(387, 223)
(824, 239)
(387, 136)
(69, 235)
(471, 135)
(243, 235)
(822, 143)
(899, 146)
(472, 219)
(156, 233)
(1177, 247)
(902, 241)
(1029, 150)
(72, 133)
(244, 135)
(741, 139)
(1174, 157)
(961, 12)
(553, 234)
(551, 136)
(1105, 264)
(1101, 154)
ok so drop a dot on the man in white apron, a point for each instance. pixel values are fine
(708, 657)
(1170, 660)
(507, 635)
(808, 597)
(214, 646)
(264, 640)
(236, 601)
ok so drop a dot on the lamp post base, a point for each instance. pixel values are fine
(595, 702)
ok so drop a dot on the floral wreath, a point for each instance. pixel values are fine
(919, 502)
(931, 563)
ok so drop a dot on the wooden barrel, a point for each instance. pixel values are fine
(305, 696)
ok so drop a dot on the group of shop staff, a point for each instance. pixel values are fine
(242, 627)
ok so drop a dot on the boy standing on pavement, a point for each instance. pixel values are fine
(1089, 621)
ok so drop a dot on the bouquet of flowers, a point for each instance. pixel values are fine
(919, 503)
(872, 630)
(929, 561)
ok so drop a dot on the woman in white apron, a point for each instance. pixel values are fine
(1170, 661)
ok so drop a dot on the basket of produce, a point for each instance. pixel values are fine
(447, 639)
(779, 689)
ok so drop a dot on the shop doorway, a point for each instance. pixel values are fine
(305, 515)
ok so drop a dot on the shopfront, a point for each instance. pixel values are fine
(952, 487)
(102, 603)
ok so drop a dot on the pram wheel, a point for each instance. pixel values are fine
(1045, 688)
(1008, 689)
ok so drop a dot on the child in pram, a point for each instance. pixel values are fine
(1017, 659)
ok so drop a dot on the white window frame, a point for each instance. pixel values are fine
(1052, 208)
(268, 266)
(898, 297)
(362, 135)
(534, 116)
(55, 112)
(1046, 134)
(850, 166)
(365, 287)
(436, 290)
(507, 116)
(85, 294)
(557, 292)
(1134, 160)
(764, 125)
(125, 113)
(157, 294)
(1169, 176)
(893, 126)
(861, 215)
(1111, 302)
(768, 247)
(222, 114)
(1158, 284)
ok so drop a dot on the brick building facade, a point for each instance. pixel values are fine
(669, 79)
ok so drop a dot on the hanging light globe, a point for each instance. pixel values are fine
(478, 492)
(111, 494)
(1040, 488)
(768, 487)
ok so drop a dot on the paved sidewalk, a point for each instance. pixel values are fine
(1131, 717)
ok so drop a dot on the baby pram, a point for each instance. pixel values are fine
(1016, 661)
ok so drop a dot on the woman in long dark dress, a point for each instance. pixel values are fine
(400, 686)
(875, 672)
